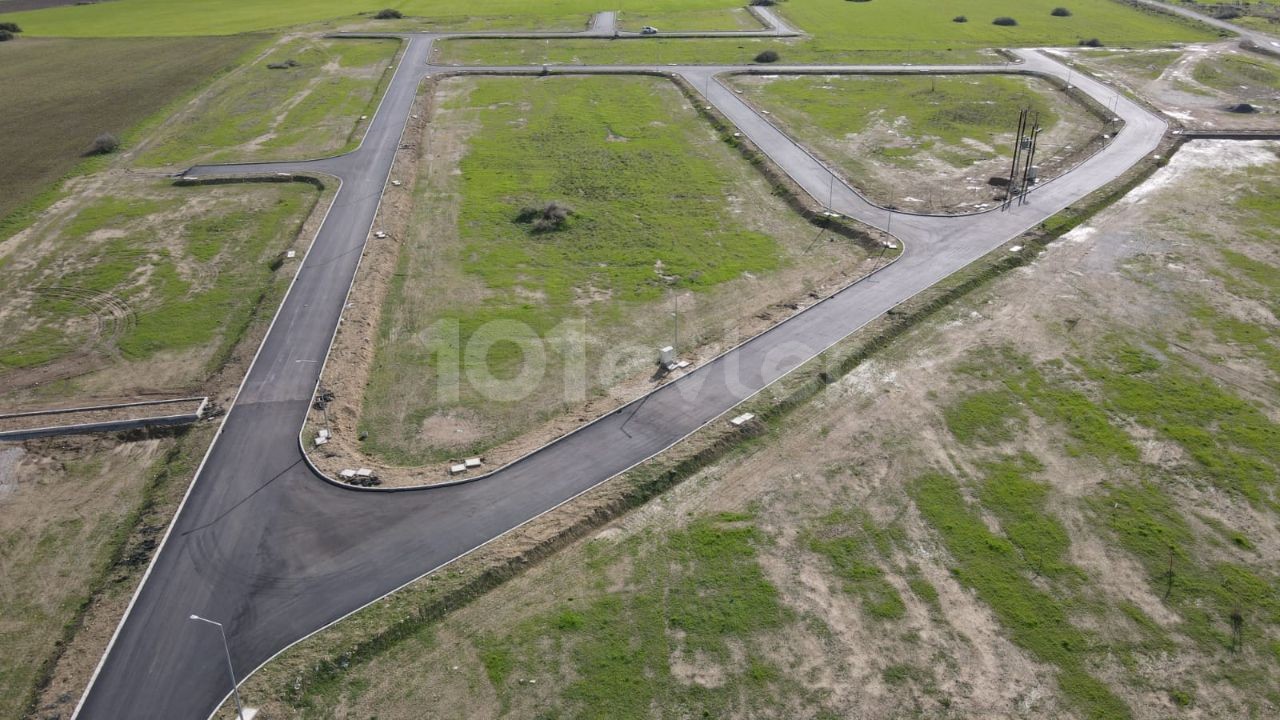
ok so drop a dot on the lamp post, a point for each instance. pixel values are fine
(235, 688)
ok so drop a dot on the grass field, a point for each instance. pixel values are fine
(63, 508)
(860, 33)
(660, 207)
(54, 108)
(219, 17)
(142, 283)
(659, 51)
(927, 25)
(1255, 77)
(837, 25)
(311, 110)
(920, 143)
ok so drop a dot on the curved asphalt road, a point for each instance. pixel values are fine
(275, 553)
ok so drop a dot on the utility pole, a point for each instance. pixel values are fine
(1017, 152)
(675, 321)
(1029, 158)
(235, 686)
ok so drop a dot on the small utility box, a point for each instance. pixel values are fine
(666, 356)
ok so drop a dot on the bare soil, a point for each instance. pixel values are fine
(1173, 90)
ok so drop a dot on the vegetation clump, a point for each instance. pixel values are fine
(767, 56)
(5, 35)
(546, 217)
(1091, 42)
(10, 27)
(1004, 21)
(1060, 12)
(388, 14)
(104, 144)
(960, 19)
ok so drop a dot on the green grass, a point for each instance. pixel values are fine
(999, 570)
(648, 185)
(192, 285)
(927, 25)
(822, 110)
(311, 110)
(696, 592)
(62, 541)
(1205, 592)
(661, 52)
(55, 106)
(226, 17)
(1234, 444)
(987, 416)
(1148, 64)
(851, 542)
(1049, 390)
(1229, 73)
(727, 18)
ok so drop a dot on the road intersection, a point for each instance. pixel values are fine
(265, 545)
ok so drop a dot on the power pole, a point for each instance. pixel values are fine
(1029, 157)
(1017, 152)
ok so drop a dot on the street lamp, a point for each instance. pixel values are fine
(235, 688)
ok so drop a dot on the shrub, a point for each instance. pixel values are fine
(764, 3)
(104, 144)
(389, 14)
(960, 19)
(1226, 13)
(1060, 12)
(1091, 42)
(11, 27)
(1004, 21)
(5, 35)
(546, 217)
(767, 56)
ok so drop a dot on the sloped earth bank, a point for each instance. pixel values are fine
(1055, 499)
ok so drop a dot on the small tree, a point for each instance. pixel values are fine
(11, 27)
(389, 14)
(767, 56)
(1060, 12)
(5, 35)
(104, 144)
(959, 19)
(1004, 21)
(764, 3)
(1091, 42)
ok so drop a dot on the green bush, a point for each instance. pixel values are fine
(1060, 12)
(1004, 21)
(388, 14)
(767, 56)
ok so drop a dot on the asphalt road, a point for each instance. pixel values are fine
(268, 548)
